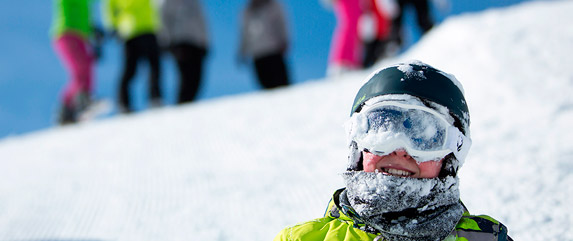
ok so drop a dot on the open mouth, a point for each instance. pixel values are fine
(396, 172)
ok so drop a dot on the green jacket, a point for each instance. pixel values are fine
(71, 16)
(131, 18)
(337, 226)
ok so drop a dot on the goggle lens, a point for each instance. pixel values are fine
(422, 130)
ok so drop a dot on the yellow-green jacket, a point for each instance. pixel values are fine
(335, 226)
(131, 18)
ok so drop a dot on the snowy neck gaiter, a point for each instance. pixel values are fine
(403, 209)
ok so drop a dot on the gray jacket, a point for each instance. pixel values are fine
(182, 21)
(263, 30)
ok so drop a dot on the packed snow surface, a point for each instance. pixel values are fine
(244, 167)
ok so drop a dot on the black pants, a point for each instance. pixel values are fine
(424, 19)
(271, 71)
(189, 60)
(373, 51)
(141, 47)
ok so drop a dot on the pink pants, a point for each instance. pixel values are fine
(75, 53)
(345, 47)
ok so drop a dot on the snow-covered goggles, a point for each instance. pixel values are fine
(424, 133)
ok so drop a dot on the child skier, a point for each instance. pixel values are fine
(408, 135)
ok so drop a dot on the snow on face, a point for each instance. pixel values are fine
(392, 194)
(407, 209)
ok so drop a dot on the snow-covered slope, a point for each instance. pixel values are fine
(244, 167)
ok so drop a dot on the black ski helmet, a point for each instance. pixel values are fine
(420, 80)
(424, 82)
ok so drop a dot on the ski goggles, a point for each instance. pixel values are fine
(424, 133)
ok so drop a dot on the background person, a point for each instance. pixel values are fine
(423, 19)
(136, 22)
(184, 33)
(71, 31)
(375, 26)
(345, 47)
(264, 37)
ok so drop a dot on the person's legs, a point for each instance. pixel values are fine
(396, 31)
(130, 58)
(75, 54)
(381, 50)
(281, 71)
(423, 15)
(260, 69)
(369, 53)
(345, 46)
(271, 71)
(150, 48)
(190, 64)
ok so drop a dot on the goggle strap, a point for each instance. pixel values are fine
(458, 143)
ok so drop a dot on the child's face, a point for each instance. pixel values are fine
(399, 163)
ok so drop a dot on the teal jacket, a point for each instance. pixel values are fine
(335, 226)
